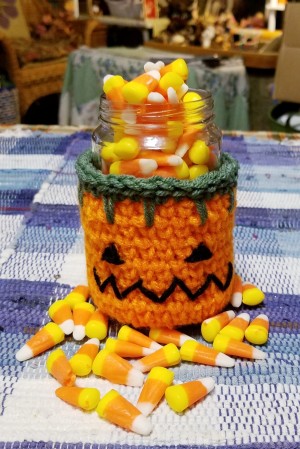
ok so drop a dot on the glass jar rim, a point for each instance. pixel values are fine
(202, 107)
(206, 96)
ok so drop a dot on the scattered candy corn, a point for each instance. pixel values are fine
(85, 398)
(126, 348)
(180, 397)
(47, 337)
(236, 328)
(82, 312)
(212, 326)
(154, 388)
(126, 333)
(236, 348)
(192, 351)
(115, 408)
(258, 331)
(82, 361)
(60, 312)
(116, 369)
(165, 336)
(78, 294)
(59, 367)
(252, 295)
(237, 297)
(168, 355)
(97, 325)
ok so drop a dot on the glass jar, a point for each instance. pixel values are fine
(167, 139)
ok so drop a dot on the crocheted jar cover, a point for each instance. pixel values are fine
(159, 251)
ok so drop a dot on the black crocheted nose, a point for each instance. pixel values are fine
(199, 254)
(111, 255)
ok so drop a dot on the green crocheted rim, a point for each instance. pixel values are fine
(155, 190)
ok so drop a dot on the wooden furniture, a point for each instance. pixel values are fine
(252, 59)
(37, 79)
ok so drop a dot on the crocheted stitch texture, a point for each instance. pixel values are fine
(175, 272)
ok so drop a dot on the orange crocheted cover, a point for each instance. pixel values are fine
(174, 273)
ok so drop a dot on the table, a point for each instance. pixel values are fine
(79, 102)
(255, 405)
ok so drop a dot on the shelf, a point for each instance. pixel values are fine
(252, 59)
(135, 23)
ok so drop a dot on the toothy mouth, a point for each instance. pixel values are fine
(176, 282)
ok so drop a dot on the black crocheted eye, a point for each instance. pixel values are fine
(198, 254)
(111, 255)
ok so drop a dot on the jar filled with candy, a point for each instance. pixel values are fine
(155, 125)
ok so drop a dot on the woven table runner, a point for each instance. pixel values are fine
(255, 405)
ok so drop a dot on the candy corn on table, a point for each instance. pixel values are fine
(253, 404)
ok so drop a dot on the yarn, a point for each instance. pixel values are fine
(175, 243)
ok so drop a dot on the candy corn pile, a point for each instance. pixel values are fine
(159, 127)
(151, 355)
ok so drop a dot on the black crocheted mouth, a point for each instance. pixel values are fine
(111, 280)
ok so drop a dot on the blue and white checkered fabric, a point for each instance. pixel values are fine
(255, 405)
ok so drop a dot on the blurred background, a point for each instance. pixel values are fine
(53, 54)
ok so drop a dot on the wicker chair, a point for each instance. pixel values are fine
(38, 79)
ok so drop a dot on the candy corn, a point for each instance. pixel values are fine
(236, 299)
(192, 351)
(116, 409)
(116, 369)
(47, 337)
(180, 397)
(126, 333)
(154, 388)
(137, 90)
(126, 348)
(127, 148)
(59, 367)
(236, 348)
(112, 87)
(169, 79)
(180, 171)
(185, 141)
(236, 328)
(212, 326)
(108, 153)
(192, 101)
(179, 66)
(82, 312)
(155, 97)
(198, 170)
(136, 167)
(78, 294)
(165, 336)
(97, 325)
(60, 312)
(199, 152)
(158, 65)
(252, 295)
(85, 398)
(160, 158)
(82, 361)
(166, 356)
(258, 331)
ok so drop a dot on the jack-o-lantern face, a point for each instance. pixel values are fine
(176, 272)
(200, 253)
